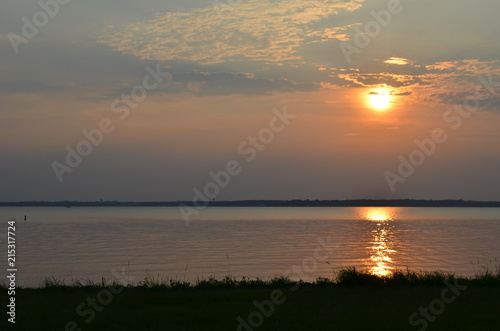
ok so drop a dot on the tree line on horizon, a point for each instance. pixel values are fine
(263, 203)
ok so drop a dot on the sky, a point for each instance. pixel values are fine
(253, 99)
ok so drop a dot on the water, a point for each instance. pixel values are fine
(91, 242)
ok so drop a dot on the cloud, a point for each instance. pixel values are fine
(393, 93)
(257, 30)
(452, 82)
(340, 33)
(378, 79)
(436, 83)
(402, 94)
(397, 61)
(222, 83)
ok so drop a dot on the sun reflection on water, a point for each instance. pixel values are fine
(382, 248)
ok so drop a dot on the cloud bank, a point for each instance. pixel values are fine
(258, 30)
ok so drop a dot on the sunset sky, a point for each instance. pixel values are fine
(361, 81)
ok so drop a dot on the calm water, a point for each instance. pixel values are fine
(82, 243)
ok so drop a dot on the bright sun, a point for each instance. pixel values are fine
(379, 99)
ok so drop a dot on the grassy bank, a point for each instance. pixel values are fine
(351, 300)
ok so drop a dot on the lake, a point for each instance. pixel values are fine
(91, 242)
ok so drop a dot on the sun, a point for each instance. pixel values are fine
(379, 99)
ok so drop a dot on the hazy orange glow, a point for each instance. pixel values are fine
(379, 214)
(379, 99)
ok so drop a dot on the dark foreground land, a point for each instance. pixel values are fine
(354, 301)
(218, 309)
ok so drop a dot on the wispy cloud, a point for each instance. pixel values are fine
(398, 61)
(258, 30)
(341, 33)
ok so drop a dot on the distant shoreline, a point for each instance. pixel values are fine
(262, 203)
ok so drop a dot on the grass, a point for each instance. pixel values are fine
(346, 277)
(350, 300)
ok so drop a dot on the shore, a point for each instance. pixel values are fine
(351, 301)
